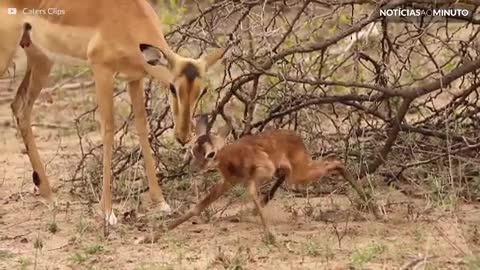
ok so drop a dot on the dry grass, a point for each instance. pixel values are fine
(331, 236)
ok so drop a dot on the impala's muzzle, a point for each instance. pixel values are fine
(181, 141)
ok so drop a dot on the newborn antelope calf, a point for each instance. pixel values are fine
(252, 161)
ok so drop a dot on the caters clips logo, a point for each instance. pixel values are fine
(27, 11)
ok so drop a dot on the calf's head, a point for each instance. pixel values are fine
(203, 149)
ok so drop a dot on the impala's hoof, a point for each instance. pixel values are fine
(52, 203)
(165, 208)
(111, 219)
(269, 237)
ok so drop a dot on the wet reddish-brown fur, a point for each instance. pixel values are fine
(253, 160)
(240, 159)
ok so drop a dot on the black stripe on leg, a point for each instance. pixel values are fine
(27, 27)
(26, 40)
(36, 178)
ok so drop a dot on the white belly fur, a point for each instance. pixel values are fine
(62, 44)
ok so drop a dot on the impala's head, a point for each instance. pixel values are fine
(185, 79)
(203, 149)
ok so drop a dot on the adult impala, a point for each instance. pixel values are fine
(113, 37)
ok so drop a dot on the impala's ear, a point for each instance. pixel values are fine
(224, 131)
(154, 56)
(201, 125)
(222, 134)
(208, 59)
(187, 156)
(157, 63)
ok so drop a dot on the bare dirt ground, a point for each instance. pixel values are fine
(315, 233)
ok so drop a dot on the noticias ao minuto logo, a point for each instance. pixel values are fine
(416, 12)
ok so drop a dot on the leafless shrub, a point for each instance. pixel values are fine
(401, 104)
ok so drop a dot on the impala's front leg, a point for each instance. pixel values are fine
(252, 190)
(135, 91)
(104, 92)
(218, 190)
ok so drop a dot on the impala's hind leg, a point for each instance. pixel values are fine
(280, 175)
(6, 56)
(319, 169)
(38, 68)
(315, 171)
(10, 32)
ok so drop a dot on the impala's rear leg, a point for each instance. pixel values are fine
(314, 170)
(10, 33)
(215, 193)
(36, 76)
(283, 172)
(103, 77)
(303, 174)
(135, 91)
(320, 168)
(280, 176)
(6, 56)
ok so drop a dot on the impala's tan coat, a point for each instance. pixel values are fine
(253, 160)
(113, 37)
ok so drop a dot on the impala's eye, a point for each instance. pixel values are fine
(210, 155)
(173, 90)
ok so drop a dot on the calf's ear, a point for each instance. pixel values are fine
(201, 125)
